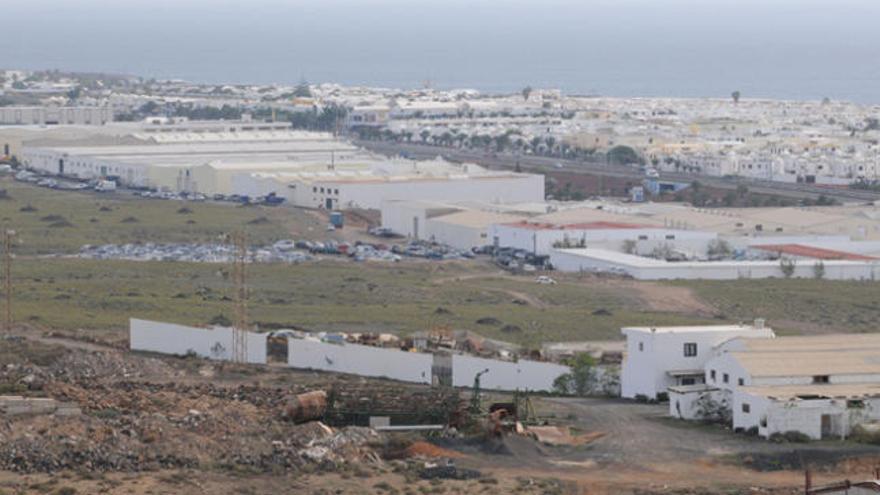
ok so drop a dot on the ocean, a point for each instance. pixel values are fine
(785, 49)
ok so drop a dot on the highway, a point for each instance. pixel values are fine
(541, 164)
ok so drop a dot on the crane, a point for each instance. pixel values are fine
(475, 394)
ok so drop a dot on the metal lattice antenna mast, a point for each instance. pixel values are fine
(240, 325)
(8, 235)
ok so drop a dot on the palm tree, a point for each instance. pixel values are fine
(502, 141)
(526, 92)
(735, 95)
(424, 135)
(536, 141)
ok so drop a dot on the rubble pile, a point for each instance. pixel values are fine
(142, 413)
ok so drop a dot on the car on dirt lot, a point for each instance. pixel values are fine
(545, 280)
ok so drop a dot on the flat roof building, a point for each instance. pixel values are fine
(254, 158)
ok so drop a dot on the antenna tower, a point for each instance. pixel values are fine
(239, 275)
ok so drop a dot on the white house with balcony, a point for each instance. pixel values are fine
(661, 357)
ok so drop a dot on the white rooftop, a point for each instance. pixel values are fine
(694, 329)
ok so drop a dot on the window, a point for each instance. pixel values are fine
(643, 238)
(688, 381)
(314, 189)
(725, 378)
(746, 408)
(712, 375)
(741, 382)
(690, 349)
(322, 190)
(641, 346)
(336, 192)
(670, 236)
(820, 379)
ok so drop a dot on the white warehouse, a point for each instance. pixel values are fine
(643, 268)
(250, 158)
(542, 238)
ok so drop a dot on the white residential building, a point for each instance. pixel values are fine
(661, 357)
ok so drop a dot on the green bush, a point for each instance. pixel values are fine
(863, 435)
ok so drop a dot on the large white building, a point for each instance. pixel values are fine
(542, 238)
(462, 224)
(253, 158)
(657, 358)
(52, 115)
(644, 268)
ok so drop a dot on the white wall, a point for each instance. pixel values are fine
(541, 241)
(805, 416)
(212, 343)
(456, 235)
(360, 360)
(648, 269)
(505, 375)
(398, 216)
(686, 405)
(523, 188)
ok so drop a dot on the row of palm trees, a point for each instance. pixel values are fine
(510, 141)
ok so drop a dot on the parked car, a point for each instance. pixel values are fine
(545, 280)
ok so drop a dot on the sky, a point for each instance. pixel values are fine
(775, 48)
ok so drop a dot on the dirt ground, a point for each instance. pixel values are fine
(154, 424)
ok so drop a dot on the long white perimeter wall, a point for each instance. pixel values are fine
(575, 260)
(415, 367)
(505, 375)
(360, 360)
(212, 343)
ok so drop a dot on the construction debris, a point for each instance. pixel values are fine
(560, 435)
(306, 407)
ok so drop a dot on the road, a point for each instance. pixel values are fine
(542, 164)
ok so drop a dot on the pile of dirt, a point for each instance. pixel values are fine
(77, 366)
(132, 423)
(427, 449)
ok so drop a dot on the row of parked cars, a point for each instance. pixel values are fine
(520, 259)
(99, 185)
(362, 251)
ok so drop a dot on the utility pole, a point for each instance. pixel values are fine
(239, 275)
(8, 236)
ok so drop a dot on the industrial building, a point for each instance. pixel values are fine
(251, 158)
(644, 268)
(821, 386)
(542, 238)
(462, 224)
(54, 115)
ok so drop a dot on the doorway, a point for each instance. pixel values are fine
(827, 429)
(277, 349)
